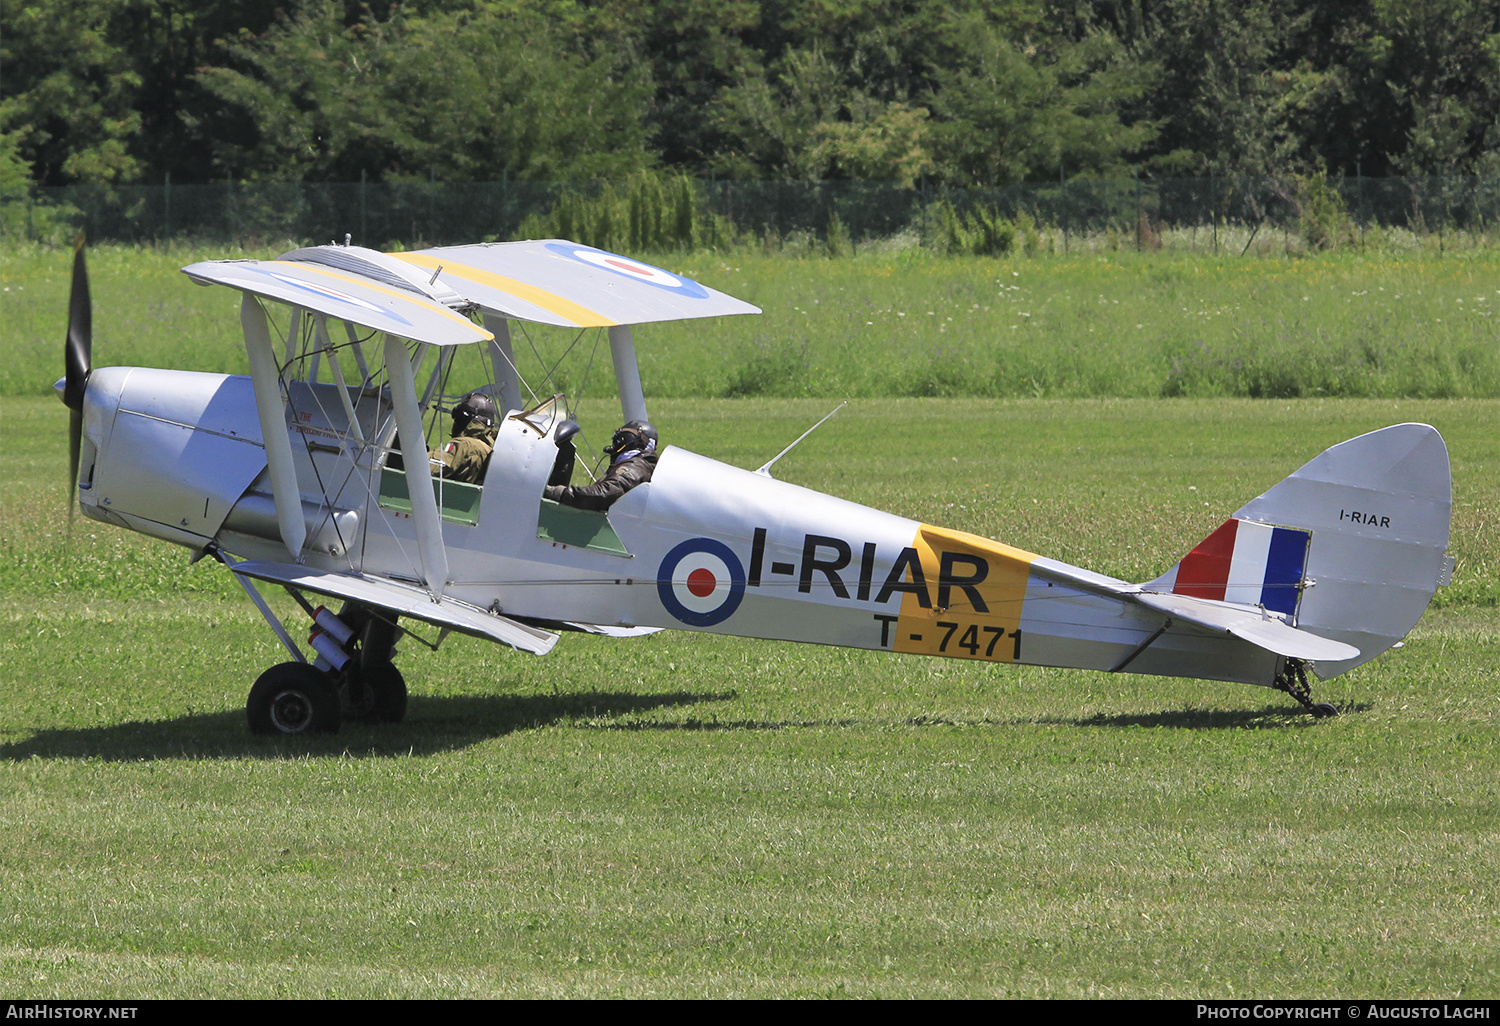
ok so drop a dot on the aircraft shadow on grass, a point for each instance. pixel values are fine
(440, 724)
(1268, 717)
(435, 724)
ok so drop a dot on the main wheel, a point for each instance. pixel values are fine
(390, 693)
(293, 698)
(376, 695)
(1323, 710)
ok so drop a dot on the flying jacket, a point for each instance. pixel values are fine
(617, 480)
(464, 457)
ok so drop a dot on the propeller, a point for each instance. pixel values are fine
(78, 354)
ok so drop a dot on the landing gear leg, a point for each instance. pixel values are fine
(1293, 680)
(298, 697)
(371, 687)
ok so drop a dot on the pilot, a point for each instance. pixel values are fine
(464, 456)
(632, 454)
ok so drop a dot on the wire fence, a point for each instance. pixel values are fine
(386, 214)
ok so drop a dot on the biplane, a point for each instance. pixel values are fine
(312, 474)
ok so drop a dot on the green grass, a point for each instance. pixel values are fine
(1101, 325)
(908, 323)
(685, 815)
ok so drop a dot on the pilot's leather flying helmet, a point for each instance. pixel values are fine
(472, 407)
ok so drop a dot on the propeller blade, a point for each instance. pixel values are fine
(78, 363)
(75, 442)
(78, 351)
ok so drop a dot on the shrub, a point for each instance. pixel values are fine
(1322, 218)
(647, 212)
(982, 232)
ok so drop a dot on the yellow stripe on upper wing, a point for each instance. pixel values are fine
(582, 316)
(401, 294)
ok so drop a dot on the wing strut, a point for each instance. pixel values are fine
(627, 374)
(293, 342)
(1141, 647)
(326, 345)
(272, 620)
(418, 473)
(268, 405)
(503, 363)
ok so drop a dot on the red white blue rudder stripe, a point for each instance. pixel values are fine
(1246, 562)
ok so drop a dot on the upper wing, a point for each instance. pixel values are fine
(420, 295)
(553, 281)
(349, 294)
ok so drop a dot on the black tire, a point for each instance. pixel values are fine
(1323, 710)
(376, 695)
(293, 698)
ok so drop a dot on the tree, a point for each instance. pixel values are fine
(1272, 87)
(892, 91)
(778, 121)
(1013, 111)
(464, 95)
(695, 50)
(69, 92)
(1431, 73)
(103, 90)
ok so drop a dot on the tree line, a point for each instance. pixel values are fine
(961, 93)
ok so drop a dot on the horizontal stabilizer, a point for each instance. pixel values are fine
(1250, 625)
(404, 600)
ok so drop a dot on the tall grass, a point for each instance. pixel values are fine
(1125, 324)
(904, 322)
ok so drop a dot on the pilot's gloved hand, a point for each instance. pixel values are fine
(554, 492)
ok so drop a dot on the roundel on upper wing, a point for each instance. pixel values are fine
(632, 269)
(701, 582)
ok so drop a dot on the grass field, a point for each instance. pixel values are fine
(907, 323)
(684, 815)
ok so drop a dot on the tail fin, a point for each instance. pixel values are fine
(1351, 547)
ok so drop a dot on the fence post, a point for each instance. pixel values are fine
(166, 199)
(922, 202)
(1359, 185)
(1137, 210)
(364, 232)
(1213, 209)
(1062, 186)
(1447, 210)
(1474, 208)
